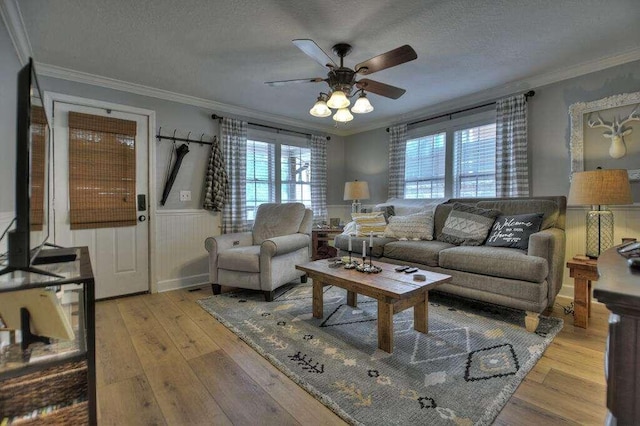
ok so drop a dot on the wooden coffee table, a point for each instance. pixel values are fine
(395, 292)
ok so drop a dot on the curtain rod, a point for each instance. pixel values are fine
(217, 117)
(527, 95)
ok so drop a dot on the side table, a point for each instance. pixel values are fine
(320, 239)
(583, 273)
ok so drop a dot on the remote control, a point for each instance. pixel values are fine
(630, 247)
(401, 268)
(410, 270)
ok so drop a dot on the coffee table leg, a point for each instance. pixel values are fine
(421, 315)
(352, 299)
(317, 298)
(385, 326)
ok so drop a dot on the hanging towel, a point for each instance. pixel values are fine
(216, 181)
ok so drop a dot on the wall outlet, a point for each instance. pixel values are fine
(185, 195)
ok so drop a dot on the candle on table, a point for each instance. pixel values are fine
(364, 248)
(349, 242)
(371, 239)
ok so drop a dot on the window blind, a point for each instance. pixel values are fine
(37, 179)
(260, 182)
(295, 174)
(474, 165)
(425, 166)
(102, 171)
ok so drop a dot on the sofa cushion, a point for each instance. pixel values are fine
(274, 220)
(341, 242)
(417, 226)
(496, 262)
(371, 224)
(548, 208)
(514, 231)
(246, 259)
(467, 225)
(424, 252)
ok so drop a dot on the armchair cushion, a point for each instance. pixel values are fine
(274, 220)
(246, 259)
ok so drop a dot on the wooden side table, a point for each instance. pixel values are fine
(583, 273)
(320, 239)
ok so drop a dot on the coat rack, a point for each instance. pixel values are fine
(173, 138)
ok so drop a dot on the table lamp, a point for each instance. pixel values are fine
(356, 191)
(599, 188)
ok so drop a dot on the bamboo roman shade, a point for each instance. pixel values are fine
(36, 200)
(102, 171)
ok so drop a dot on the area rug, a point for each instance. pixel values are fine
(463, 372)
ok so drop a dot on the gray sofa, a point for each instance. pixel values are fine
(526, 280)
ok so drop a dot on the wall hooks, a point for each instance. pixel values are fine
(188, 139)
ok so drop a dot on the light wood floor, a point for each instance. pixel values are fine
(161, 359)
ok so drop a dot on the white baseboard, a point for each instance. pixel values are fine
(182, 282)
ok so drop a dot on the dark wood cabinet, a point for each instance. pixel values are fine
(619, 289)
(54, 382)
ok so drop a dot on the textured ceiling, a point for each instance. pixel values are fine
(225, 50)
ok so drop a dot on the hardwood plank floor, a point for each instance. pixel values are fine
(161, 359)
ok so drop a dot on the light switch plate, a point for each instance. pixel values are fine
(185, 195)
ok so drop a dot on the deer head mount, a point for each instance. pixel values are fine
(616, 131)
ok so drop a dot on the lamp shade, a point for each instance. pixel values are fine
(362, 105)
(338, 100)
(600, 187)
(320, 109)
(357, 190)
(343, 115)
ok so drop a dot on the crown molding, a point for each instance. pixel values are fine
(139, 89)
(12, 18)
(522, 85)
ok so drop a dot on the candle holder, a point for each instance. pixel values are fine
(370, 268)
(350, 263)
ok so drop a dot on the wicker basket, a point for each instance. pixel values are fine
(76, 414)
(56, 385)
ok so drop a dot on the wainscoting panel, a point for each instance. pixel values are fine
(180, 253)
(626, 224)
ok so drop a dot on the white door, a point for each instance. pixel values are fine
(119, 256)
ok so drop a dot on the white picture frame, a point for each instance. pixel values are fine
(577, 113)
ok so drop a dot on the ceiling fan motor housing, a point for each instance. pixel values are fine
(342, 79)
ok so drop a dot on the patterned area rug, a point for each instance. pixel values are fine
(463, 372)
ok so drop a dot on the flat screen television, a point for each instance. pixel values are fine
(33, 153)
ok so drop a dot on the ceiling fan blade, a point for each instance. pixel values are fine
(381, 89)
(390, 59)
(299, 80)
(313, 50)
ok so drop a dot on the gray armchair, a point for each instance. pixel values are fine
(265, 257)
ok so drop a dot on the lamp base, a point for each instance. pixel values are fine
(599, 231)
(355, 206)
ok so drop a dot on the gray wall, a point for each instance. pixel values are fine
(549, 132)
(9, 67)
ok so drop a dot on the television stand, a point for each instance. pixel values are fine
(28, 269)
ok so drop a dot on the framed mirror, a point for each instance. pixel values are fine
(596, 142)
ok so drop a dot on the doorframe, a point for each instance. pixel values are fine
(51, 97)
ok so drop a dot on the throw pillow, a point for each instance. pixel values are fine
(417, 226)
(366, 225)
(387, 210)
(514, 231)
(467, 225)
(355, 216)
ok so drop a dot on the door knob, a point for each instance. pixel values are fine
(142, 218)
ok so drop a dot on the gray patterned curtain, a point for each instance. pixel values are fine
(512, 166)
(216, 191)
(397, 152)
(234, 147)
(319, 178)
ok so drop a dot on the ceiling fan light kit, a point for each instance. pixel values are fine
(342, 80)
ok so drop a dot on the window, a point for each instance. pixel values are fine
(454, 159)
(277, 173)
(424, 167)
(474, 164)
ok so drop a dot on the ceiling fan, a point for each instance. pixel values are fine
(342, 80)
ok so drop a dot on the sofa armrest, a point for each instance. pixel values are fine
(226, 241)
(550, 245)
(277, 246)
